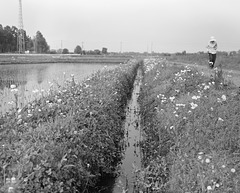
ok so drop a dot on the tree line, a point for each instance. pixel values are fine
(9, 38)
(37, 44)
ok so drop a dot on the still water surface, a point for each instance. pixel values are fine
(33, 80)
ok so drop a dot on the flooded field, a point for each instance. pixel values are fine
(34, 80)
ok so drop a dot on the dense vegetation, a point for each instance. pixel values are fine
(227, 60)
(67, 141)
(8, 41)
(190, 127)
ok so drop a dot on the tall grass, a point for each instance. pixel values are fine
(227, 61)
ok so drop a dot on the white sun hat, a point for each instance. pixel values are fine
(212, 38)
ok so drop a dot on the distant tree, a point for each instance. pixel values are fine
(9, 39)
(65, 51)
(41, 45)
(78, 50)
(59, 51)
(29, 44)
(232, 53)
(52, 51)
(184, 52)
(104, 50)
(97, 52)
(166, 54)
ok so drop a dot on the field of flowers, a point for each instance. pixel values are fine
(67, 141)
(191, 135)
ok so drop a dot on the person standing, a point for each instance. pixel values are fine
(212, 51)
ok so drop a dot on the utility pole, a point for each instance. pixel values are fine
(61, 47)
(120, 47)
(82, 45)
(20, 41)
(35, 44)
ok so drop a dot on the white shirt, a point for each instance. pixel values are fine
(212, 47)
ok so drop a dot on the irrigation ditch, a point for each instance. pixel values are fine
(132, 158)
(124, 180)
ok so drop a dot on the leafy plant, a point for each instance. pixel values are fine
(67, 141)
(190, 126)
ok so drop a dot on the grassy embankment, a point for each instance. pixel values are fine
(67, 141)
(191, 140)
(60, 58)
(226, 61)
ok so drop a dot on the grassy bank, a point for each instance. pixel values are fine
(231, 62)
(60, 58)
(67, 141)
(191, 131)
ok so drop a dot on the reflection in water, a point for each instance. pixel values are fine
(32, 80)
(126, 180)
(132, 160)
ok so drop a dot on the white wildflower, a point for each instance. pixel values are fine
(10, 189)
(180, 105)
(224, 98)
(172, 127)
(209, 188)
(35, 91)
(195, 97)
(172, 98)
(199, 157)
(206, 87)
(233, 170)
(13, 86)
(13, 180)
(14, 90)
(220, 119)
(193, 105)
(207, 160)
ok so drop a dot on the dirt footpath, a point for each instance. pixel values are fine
(231, 75)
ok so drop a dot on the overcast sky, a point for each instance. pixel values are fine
(141, 25)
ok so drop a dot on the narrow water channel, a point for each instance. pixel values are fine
(132, 159)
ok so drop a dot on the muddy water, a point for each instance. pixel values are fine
(132, 158)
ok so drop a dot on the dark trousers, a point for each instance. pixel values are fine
(212, 58)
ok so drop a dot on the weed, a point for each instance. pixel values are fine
(191, 131)
(68, 140)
